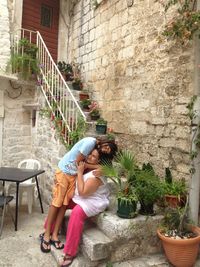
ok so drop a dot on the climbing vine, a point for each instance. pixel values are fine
(185, 22)
(195, 124)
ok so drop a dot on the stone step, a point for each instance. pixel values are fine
(136, 236)
(95, 244)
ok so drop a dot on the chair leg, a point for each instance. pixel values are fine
(30, 199)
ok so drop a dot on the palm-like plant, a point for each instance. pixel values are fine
(123, 168)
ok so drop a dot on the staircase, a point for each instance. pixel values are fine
(58, 96)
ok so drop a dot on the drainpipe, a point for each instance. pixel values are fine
(195, 180)
(1, 124)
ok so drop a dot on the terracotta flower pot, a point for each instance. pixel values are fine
(181, 252)
(83, 96)
(175, 201)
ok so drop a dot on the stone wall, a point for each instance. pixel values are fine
(141, 82)
(17, 122)
(47, 148)
(25, 134)
(4, 35)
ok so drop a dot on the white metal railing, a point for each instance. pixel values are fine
(57, 93)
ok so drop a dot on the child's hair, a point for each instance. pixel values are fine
(113, 148)
(107, 158)
(103, 139)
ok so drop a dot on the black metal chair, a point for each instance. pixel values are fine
(4, 201)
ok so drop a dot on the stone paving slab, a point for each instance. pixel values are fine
(21, 248)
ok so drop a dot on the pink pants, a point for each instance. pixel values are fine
(74, 229)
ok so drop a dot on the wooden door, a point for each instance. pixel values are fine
(43, 16)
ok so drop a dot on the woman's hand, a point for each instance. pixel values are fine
(81, 166)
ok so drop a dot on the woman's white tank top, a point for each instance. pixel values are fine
(95, 203)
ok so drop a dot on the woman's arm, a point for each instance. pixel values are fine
(90, 186)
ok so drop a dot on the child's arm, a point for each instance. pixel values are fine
(81, 157)
(90, 186)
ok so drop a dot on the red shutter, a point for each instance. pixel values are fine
(31, 20)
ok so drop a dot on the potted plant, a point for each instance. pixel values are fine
(77, 84)
(175, 190)
(148, 188)
(101, 126)
(84, 95)
(179, 238)
(66, 70)
(94, 111)
(85, 104)
(122, 174)
(25, 62)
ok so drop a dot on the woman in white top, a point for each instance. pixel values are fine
(91, 198)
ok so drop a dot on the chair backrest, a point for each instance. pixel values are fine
(29, 164)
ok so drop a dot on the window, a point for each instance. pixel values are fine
(46, 16)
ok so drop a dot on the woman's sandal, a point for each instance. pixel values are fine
(67, 261)
(46, 243)
(57, 244)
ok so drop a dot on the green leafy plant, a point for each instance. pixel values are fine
(148, 186)
(186, 20)
(66, 69)
(122, 174)
(176, 221)
(78, 133)
(110, 136)
(176, 188)
(195, 124)
(85, 103)
(95, 112)
(101, 121)
(24, 62)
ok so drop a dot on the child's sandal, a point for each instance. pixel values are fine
(43, 248)
(57, 244)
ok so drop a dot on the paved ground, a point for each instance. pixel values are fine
(21, 248)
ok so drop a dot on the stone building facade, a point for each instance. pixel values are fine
(142, 83)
